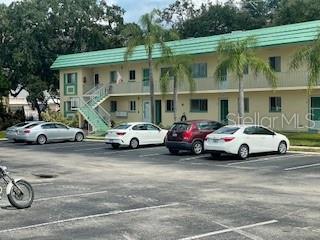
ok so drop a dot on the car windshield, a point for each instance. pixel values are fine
(122, 126)
(180, 127)
(227, 130)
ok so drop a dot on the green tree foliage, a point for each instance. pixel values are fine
(295, 11)
(309, 56)
(51, 116)
(37, 31)
(235, 56)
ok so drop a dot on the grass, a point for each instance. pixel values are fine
(303, 139)
(2, 134)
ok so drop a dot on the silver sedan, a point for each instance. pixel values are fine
(12, 132)
(49, 132)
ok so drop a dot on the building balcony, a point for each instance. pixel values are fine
(289, 80)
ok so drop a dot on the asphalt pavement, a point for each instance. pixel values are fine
(89, 191)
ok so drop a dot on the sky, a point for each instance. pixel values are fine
(136, 8)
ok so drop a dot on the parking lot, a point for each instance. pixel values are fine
(91, 191)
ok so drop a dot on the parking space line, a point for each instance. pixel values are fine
(303, 166)
(227, 166)
(241, 232)
(89, 149)
(150, 155)
(235, 229)
(117, 212)
(268, 159)
(41, 184)
(68, 196)
(191, 158)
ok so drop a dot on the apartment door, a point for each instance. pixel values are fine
(158, 112)
(224, 110)
(315, 112)
(146, 111)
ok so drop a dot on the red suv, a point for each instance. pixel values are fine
(190, 135)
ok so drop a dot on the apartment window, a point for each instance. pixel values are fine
(275, 63)
(246, 105)
(96, 79)
(199, 70)
(169, 107)
(132, 75)
(168, 71)
(113, 106)
(275, 104)
(132, 106)
(71, 78)
(223, 74)
(146, 77)
(113, 77)
(246, 69)
(199, 105)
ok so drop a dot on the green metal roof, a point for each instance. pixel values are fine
(271, 36)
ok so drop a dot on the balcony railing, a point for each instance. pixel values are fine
(251, 81)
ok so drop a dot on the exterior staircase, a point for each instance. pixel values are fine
(89, 107)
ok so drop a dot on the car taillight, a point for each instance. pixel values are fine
(206, 138)
(187, 135)
(27, 131)
(228, 139)
(121, 133)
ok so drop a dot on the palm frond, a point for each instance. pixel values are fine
(258, 65)
(225, 65)
(299, 58)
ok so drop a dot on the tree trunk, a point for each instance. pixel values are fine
(241, 100)
(36, 105)
(152, 102)
(175, 98)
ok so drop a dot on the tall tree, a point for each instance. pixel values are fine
(150, 34)
(295, 11)
(178, 69)
(214, 19)
(235, 57)
(309, 56)
(40, 30)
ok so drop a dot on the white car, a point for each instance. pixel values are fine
(243, 140)
(135, 134)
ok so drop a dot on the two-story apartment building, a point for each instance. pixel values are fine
(101, 86)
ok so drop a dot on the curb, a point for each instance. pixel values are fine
(93, 140)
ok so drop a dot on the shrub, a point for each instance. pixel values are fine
(51, 116)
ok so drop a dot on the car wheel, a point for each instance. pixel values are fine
(134, 143)
(243, 152)
(79, 137)
(197, 147)
(215, 155)
(282, 148)
(115, 145)
(173, 151)
(42, 139)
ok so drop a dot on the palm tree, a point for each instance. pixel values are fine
(235, 57)
(309, 55)
(179, 68)
(152, 35)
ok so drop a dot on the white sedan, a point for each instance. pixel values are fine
(243, 140)
(135, 134)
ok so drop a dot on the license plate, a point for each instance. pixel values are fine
(214, 140)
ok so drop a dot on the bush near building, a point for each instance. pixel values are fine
(51, 116)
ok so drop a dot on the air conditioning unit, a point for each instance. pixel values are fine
(122, 114)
